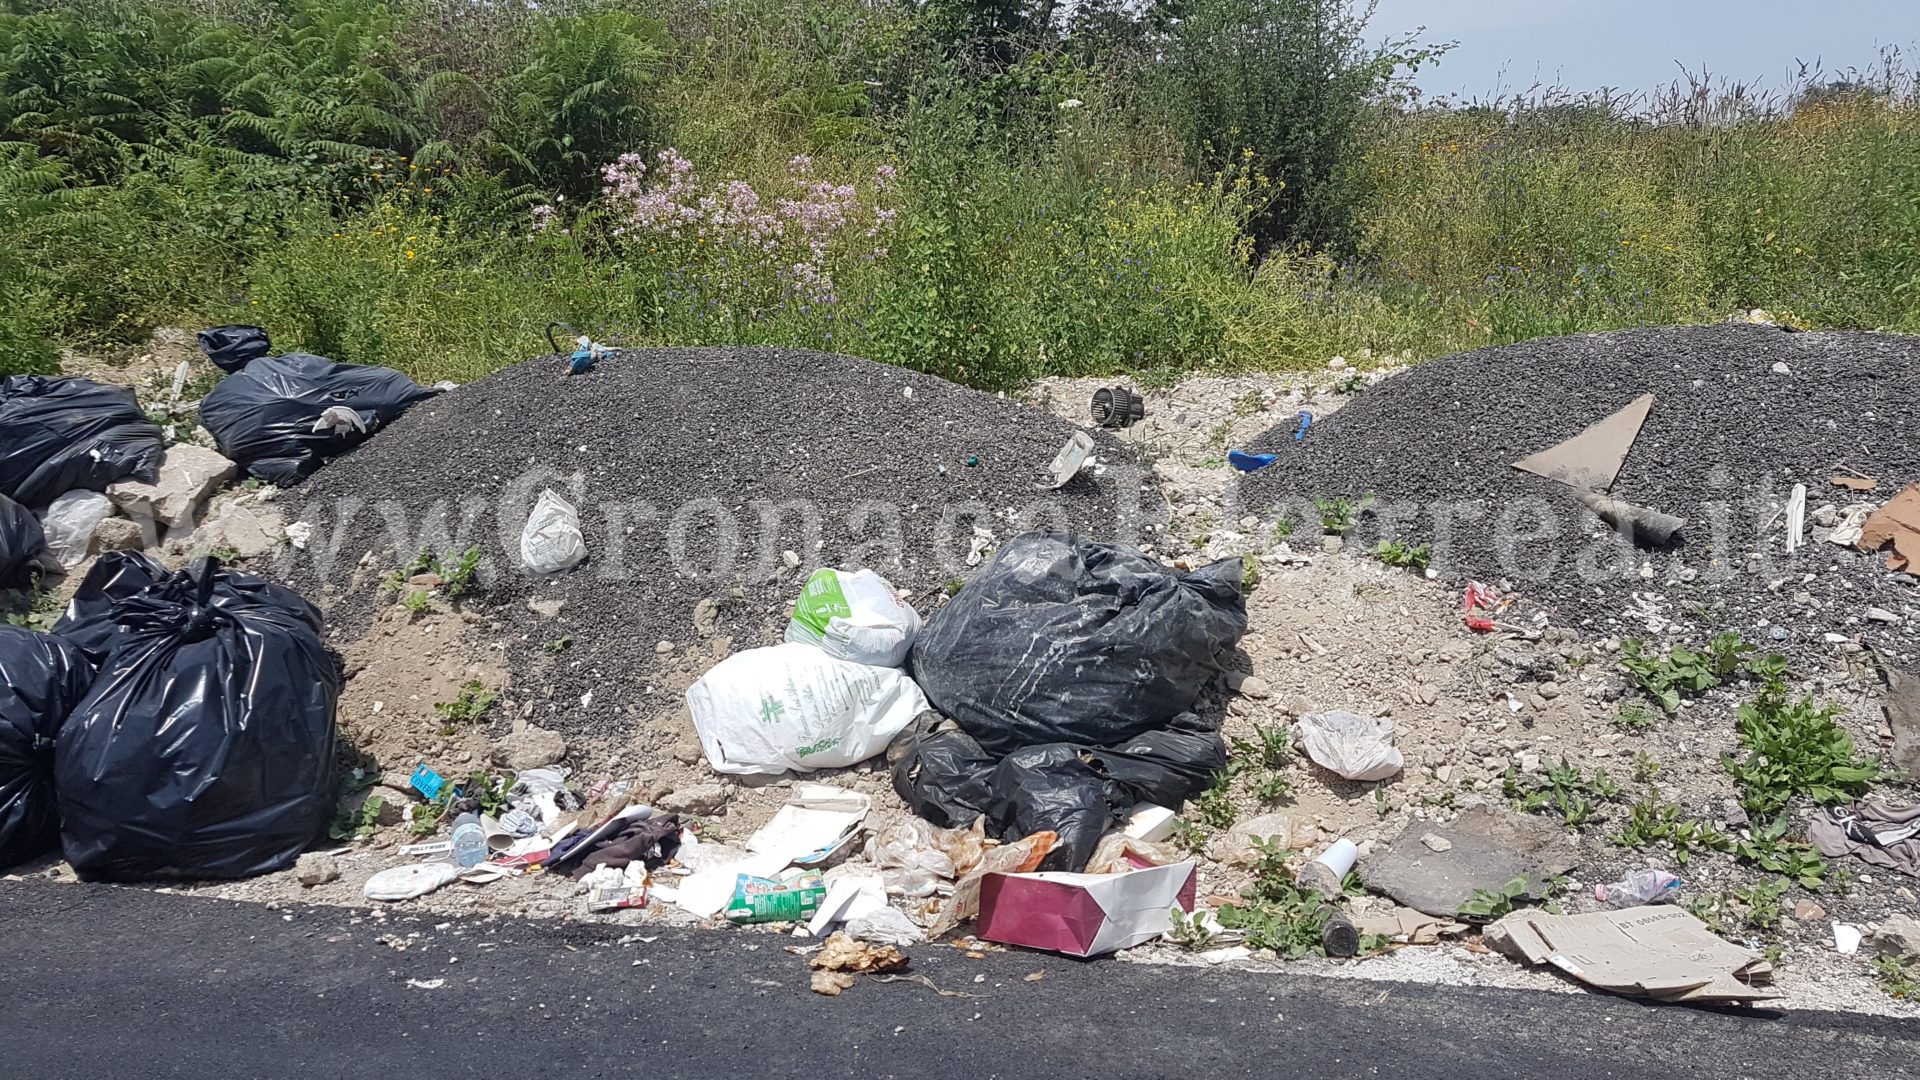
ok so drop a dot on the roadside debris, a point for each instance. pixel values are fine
(1069, 461)
(60, 434)
(842, 958)
(1117, 407)
(854, 616)
(1655, 952)
(1896, 525)
(1486, 849)
(1352, 746)
(1876, 833)
(1083, 914)
(551, 541)
(793, 707)
(21, 541)
(42, 679)
(1591, 460)
(1639, 887)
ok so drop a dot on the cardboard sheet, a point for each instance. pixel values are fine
(1656, 951)
(816, 824)
(1590, 460)
(1897, 524)
(1083, 914)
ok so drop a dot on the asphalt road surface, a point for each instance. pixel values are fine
(99, 982)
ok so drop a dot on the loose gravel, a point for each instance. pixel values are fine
(709, 482)
(1729, 434)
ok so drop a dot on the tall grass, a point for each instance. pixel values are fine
(423, 184)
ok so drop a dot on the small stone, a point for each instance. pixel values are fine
(696, 799)
(1780, 368)
(529, 748)
(664, 648)
(546, 608)
(1880, 614)
(1808, 911)
(316, 868)
(791, 558)
(706, 617)
(1899, 935)
(119, 534)
(1548, 690)
(1332, 544)
(1443, 774)
(1254, 686)
(1536, 702)
(1529, 762)
(1249, 523)
(1436, 842)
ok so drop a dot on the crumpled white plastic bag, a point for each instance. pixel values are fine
(69, 523)
(1353, 746)
(855, 616)
(793, 707)
(551, 542)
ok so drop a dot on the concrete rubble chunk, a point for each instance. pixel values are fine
(121, 534)
(529, 748)
(237, 526)
(189, 475)
(695, 799)
(1485, 850)
(316, 868)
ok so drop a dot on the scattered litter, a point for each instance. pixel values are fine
(1639, 887)
(792, 897)
(1151, 823)
(1591, 460)
(1405, 926)
(1661, 952)
(1227, 955)
(1066, 464)
(922, 980)
(1249, 462)
(786, 707)
(551, 541)
(842, 957)
(1083, 914)
(817, 823)
(1353, 746)
(1117, 407)
(426, 984)
(854, 616)
(1035, 977)
(1854, 483)
(1846, 939)
(42, 678)
(1874, 832)
(1896, 524)
(407, 882)
(1796, 517)
(69, 522)
(1489, 849)
(60, 434)
(1846, 532)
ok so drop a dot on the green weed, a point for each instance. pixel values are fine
(467, 708)
(1793, 748)
(1491, 904)
(1413, 557)
(1339, 515)
(1278, 914)
(1215, 805)
(1899, 976)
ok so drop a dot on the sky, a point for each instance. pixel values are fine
(1508, 45)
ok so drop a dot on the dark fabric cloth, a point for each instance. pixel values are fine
(652, 841)
(1873, 832)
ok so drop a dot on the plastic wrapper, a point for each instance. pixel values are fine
(1062, 639)
(792, 897)
(854, 616)
(59, 434)
(42, 678)
(205, 747)
(1350, 745)
(21, 542)
(551, 541)
(268, 415)
(69, 523)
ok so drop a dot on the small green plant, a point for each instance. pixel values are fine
(1634, 718)
(458, 571)
(423, 819)
(1282, 529)
(34, 606)
(467, 708)
(1187, 931)
(1249, 403)
(1563, 789)
(560, 644)
(1189, 837)
(1381, 806)
(489, 789)
(1352, 384)
(1898, 977)
(1794, 748)
(1215, 805)
(396, 581)
(351, 824)
(1711, 909)
(416, 601)
(1249, 574)
(1278, 914)
(1667, 679)
(1265, 759)
(1645, 768)
(952, 586)
(225, 554)
(1338, 515)
(1413, 557)
(1492, 904)
(1768, 847)
(1650, 822)
(1726, 654)
(1761, 902)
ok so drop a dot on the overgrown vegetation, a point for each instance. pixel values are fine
(984, 189)
(1563, 789)
(1793, 748)
(1277, 913)
(1682, 672)
(1491, 904)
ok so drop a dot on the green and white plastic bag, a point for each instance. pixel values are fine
(793, 707)
(855, 617)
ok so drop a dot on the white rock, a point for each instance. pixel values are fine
(189, 475)
(1846, 939)
(1780, 368)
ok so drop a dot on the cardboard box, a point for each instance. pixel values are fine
(1083, 914)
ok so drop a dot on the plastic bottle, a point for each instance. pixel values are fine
(1639, 887)
(469, 840)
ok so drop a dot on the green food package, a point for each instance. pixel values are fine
(790, 898)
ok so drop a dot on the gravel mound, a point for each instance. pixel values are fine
(1727, 438)
(709, 483)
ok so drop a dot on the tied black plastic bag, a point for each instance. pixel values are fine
(205, 747)
(283, 416)
(233, 347)
(1073, 791)
(42, 678)
(21, 539)
(88, 623)
(58, 434)
(1064, 639)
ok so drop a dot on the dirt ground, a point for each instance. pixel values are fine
(1328, 629)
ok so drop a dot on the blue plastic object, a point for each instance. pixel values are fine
(1246, 462)
(1306, 421)
(427, 782)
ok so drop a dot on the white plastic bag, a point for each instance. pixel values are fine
(69, 523)
(1356, 747)
(855, 617)
(785, 707)
(551, 542)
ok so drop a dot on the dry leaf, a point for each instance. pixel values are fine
(1036, 976)
(1856, 483)
(831, 983)
(842, 953)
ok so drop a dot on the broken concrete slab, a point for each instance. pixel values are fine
(239, 527)
(1486, 850)
(189, 475)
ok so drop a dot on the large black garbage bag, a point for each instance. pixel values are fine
(88, 623)
(1065, 639)
(1076, 792)
(233, 347)
(264, 415)
(21, 539)
(58, 434)
(205, 747)
(42, 678)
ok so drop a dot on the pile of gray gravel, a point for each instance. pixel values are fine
(709, 483)
(1729, 434)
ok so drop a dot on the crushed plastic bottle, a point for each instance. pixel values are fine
(469, 840)
(1639, 887)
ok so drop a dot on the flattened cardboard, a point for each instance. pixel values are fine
(1897, 523)
(1083, 914)
(1590, 460)
(1655, 951)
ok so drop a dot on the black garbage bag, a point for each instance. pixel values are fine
(263, 416)
(232, 347)
(58, 434)
(1065, 639)
(1075, 792)
(42, 678)
(206, 745)
(21, 539)
(88, 623)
